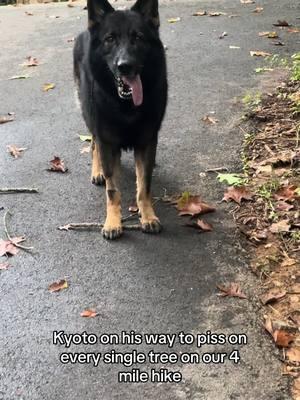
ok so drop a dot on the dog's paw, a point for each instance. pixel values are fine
(98, 180)
(111, 233)
(153, 226)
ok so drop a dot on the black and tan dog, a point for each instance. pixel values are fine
(120, 70)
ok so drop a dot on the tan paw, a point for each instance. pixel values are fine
(151, 226)
(112, 232)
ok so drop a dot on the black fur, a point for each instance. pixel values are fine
(131, 35)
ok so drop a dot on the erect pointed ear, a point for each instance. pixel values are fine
(96, 10)
(149, 10)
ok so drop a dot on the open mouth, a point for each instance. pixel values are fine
(130, 89)
(124, 91)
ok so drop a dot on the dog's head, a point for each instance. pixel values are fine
(122, 39)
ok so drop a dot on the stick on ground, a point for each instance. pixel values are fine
(93, 225)
(18, 190)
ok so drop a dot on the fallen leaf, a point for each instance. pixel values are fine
(278, 43)
(85, 138)
(48, 86)
(6, 118)
(199, 13)
(192, 205)
(281, 23)
(85, 149)
(288, 262)
(281, 226)
(232, 290)
(260, 54)
(201, 225)
(210, 120)
(4, 266)
(57, 286)
(57, 165)
(293, 354)
(8, 248)
(258, 10)
(270, 35)
(19, 77)
(28, 13)
(283, 206)
(231, 179)
(173, 20)
(293, 30)
(89, 313)
(30, 62)
(247, 1)
(237, 194)
(286, 193)
(272, 295)
(281, 337)
(15, 151)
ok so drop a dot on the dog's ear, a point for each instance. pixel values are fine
(149, 10)
(96, 10)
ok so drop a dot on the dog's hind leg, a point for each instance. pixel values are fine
(97, 177)
(111, 169)
(144, 162)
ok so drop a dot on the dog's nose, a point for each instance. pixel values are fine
(125, 67)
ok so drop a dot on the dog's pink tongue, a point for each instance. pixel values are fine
(137, 89)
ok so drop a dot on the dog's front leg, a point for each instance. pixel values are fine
(110, 158)
(97, 177)
(144, 162)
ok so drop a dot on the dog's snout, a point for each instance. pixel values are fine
(125, 67)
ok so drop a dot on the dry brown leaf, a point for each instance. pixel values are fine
(293, 355)
(15, 151)
(200, 225)
(57, 165)
(286, 193)
(6, 118)
(30, 62)
(294, 30)
(237, 194)
(272, 295)
(232, 290)
(281, 226)
(288, 262)
(259, 53)
(281, 337)
(89, 313)
(57, 286)
(193, 205)
(281, 23)
(4, 266)
(199, 13)
(8, 248)
(283, 206)
(210, 120)
(48, 86)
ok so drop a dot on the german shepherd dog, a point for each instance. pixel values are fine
(120, 71)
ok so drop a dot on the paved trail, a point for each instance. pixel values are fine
(162, 284)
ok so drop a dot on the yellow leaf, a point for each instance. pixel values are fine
(48, 86)
(173, 20)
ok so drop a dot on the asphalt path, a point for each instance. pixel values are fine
(147, 284)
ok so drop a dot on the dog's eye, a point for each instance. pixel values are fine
(137, 36)
(109, 39)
